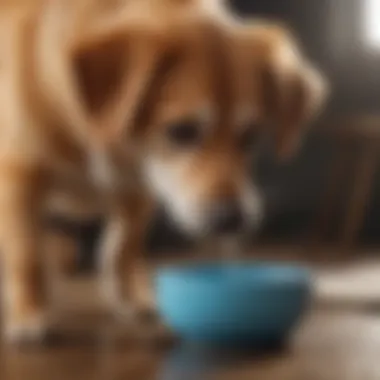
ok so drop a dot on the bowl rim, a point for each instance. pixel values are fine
(286, 273)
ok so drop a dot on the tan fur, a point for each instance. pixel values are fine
(88, 90)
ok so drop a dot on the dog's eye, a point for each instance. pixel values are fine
(248, 139)
(187, 133)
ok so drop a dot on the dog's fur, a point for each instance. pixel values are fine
(89, 90)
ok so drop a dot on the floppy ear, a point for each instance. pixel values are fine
(113, 76)
(291, 90)
(97, 71)
(291, 100)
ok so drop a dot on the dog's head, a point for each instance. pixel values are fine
(200, 160)
(191, 98)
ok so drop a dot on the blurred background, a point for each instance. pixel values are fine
(329, 195)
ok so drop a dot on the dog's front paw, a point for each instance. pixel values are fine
(144, 322)
(29, 329)
(114, 300)
(123, 307)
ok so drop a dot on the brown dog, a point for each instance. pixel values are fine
(109, 107)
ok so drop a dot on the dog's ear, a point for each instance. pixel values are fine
(114, 75)
(99, 69)
(290, 90)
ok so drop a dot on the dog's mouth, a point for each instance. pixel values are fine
(199, 211)
(201, 227)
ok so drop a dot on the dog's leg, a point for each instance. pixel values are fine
(23, 289)
(125, 279)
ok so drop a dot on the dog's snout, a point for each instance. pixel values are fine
(227, 217)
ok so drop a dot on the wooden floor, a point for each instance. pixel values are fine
(332, 344)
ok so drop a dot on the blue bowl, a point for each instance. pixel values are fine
(250, 304)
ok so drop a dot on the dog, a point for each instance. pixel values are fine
(111, 107)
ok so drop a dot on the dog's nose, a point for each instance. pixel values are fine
(227, 217)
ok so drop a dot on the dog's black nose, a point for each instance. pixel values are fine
(227, 217)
